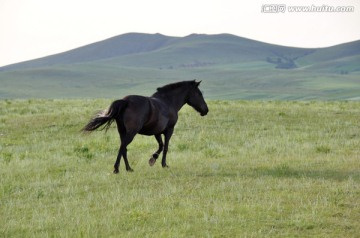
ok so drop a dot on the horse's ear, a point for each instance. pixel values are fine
(198, 83)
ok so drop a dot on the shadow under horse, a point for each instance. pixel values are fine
(155, 115)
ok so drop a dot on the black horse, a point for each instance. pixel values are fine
(155, 115)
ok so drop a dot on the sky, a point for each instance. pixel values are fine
(31, 29)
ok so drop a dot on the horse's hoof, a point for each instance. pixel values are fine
(165, 166)
(152, 161)
(116, 171)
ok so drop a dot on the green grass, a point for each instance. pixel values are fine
(248, 169)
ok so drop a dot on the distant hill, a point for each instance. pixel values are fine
(232, 67)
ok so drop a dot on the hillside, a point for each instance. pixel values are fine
(232, 67)
(146, 50)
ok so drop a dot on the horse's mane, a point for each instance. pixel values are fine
(173, 86)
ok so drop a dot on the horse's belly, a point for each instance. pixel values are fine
(155, 128)
(151, 131)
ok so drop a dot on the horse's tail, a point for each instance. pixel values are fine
(106, 117)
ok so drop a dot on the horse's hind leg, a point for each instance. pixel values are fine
(123, 153)
(126, 138)
(117, 162)
(125, 141)
(122, 133)
(128, 168)
(154, 157)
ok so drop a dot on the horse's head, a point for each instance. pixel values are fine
(196, 99)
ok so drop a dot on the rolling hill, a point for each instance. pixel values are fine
(232, 67)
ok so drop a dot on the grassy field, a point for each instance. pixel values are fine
(248, 169)
(254, 80)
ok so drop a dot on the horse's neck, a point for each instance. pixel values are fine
(173, 99)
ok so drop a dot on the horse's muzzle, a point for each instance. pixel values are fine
(204, 113)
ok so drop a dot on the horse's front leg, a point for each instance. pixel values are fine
(154, 157)
(168, 135)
